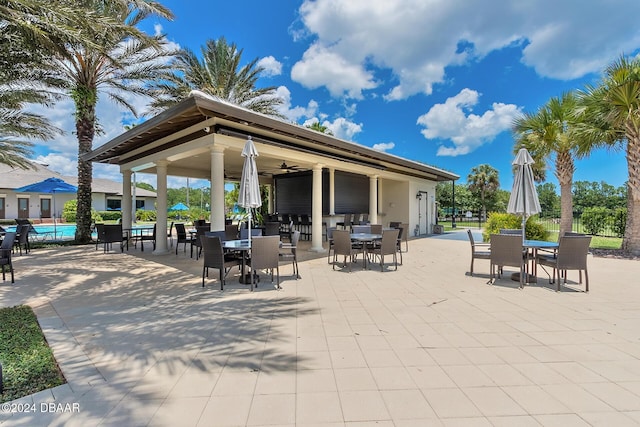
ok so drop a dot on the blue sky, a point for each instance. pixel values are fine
(437, 82)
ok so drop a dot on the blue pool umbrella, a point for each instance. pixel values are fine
(179, 207)
(49, 186)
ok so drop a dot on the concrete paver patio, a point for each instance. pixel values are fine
(141, 343)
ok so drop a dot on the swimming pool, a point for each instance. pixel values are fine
(63, 231)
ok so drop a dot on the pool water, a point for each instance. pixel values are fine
(63, 231)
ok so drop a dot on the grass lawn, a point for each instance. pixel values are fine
(28, 365)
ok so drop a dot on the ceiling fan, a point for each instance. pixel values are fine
(288, 168)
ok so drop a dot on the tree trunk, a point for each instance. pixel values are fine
(564, 173)
(85, 129)
(631, 240)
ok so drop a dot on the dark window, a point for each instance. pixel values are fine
(139, 204)
(351, 193)
(114, 204)
(294, 192)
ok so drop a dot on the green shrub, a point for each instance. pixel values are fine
(499, 220)
(69, 212)
(111, 215)
(594, 219)
(146, 216)
(619, 221)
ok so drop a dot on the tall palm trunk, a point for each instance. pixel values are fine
(631, 241)
(564, 173)
(85, 101)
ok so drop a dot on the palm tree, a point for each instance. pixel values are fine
(483, 180)
(610, 113)
(218, 74)
(547, 134)
(125, 64)
(320, 128)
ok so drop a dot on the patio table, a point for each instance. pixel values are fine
(243, 246)
(365, 239)
(136, 234)
(532, 247)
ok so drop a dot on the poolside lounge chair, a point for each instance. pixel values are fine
(5, 254)
(33, 232)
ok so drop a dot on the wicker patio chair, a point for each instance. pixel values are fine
(571, 255)
(214, 257)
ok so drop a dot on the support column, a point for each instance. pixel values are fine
(161, 208)
(217, 188)
(373, 199)
(316, 210)
(332, 191)
(126, 206)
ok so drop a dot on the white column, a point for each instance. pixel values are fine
(332, 192)
(161, 206)
(316, 210)
(217, 188)
(373, 199)
(126, 206)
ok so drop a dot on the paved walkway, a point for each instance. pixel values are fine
(142, 344)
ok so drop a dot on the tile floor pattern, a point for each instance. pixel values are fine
(142, 344)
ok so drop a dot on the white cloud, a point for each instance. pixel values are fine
(416, 40)
(296, 113)
(343, 128)
(321, 66)
(454, 121)
(384, 146)
(272, 67)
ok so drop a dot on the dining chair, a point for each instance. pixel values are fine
(272, 228)
(292, 253)
(196, 242)
(507, 251)
(515, 231)
(113, 233)
(571, 255)
(214, 257)
(182, 237)
(170, 235)
(357, 229)
(148, 237)
(255, 232)
(342, 247)
(231, 231)
(330, 231)
(388, 246)
(99, 234)
(399, 248)
(376, 228)
(405, 235)
(22, 238)
(265, 256)
(5, 254)
(478, 250)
